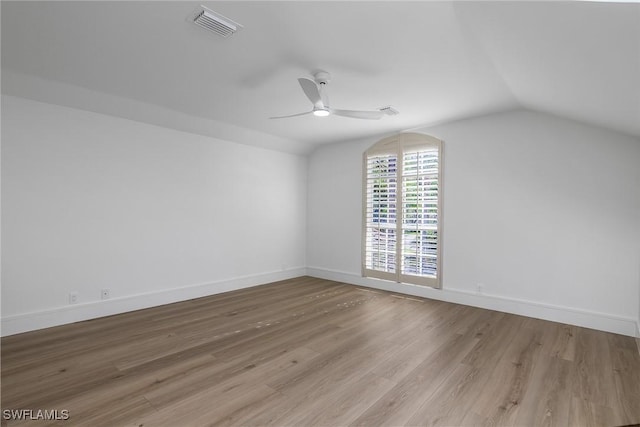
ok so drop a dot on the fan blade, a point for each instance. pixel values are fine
(310, 89)
(369, 115)
(292, 115)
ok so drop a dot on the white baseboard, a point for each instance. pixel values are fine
(569, 315)
(75, 313)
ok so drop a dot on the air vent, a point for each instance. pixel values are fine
(214, 22)
(389, 111)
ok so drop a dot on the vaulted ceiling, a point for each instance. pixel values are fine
(432, 61)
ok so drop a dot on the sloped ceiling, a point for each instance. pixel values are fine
(432, 61)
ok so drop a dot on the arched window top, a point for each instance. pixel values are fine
(401, 141)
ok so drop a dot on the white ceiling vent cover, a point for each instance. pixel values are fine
(214, 22)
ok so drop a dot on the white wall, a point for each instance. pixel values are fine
(544, 212)
(155, 215)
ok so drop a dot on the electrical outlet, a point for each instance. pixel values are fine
(73, 297)
(104, 293)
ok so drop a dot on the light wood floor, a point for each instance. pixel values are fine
(313, 352)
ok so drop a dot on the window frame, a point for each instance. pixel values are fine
(397, 145)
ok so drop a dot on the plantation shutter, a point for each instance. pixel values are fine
(380, 213)
(402, 199)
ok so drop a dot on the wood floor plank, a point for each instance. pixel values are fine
(336, 365)
(443, 406)
(309, 351)
(493, 341)
(135, 385)
(503, 372)
(208, 406)
(344, 405)
(398, 405)
(440, 327)
(216, 376)
(563, 344)
(547, 399)
(624, 361)
(593, 370)
(510, 379)
(584, 413)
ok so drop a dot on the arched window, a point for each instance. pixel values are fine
(402, 215)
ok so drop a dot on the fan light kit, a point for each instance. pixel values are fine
(315, 90)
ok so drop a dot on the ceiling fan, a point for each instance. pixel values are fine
(316, 92)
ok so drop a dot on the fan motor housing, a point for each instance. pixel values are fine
(322, 77)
